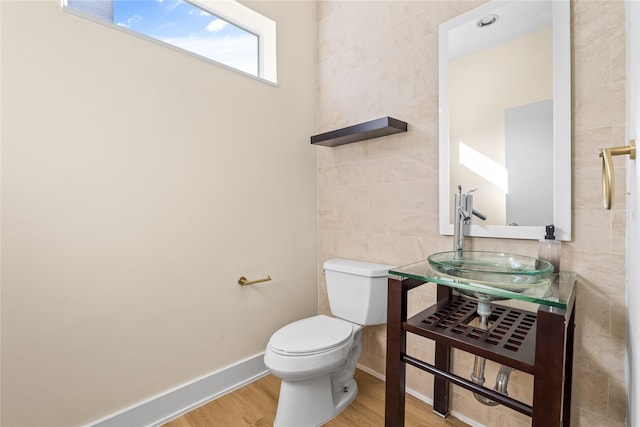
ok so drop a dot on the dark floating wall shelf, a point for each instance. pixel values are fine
(367, 130)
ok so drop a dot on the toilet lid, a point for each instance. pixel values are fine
(312, 335)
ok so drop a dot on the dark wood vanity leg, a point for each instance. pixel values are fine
(442, 361)
(568, 371)
(554, 345)
(396, 347)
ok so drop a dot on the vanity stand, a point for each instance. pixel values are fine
(539, 343)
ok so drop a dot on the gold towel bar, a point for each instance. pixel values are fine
(242, 281)
(608, 179)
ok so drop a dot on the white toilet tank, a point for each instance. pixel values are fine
(357, 290)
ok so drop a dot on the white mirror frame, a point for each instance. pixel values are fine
(561, 130)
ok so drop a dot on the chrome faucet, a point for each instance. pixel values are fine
(463, 209)
(463, 206)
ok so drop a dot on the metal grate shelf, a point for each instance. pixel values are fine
(510, 340)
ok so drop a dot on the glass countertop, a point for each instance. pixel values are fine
(557, 292)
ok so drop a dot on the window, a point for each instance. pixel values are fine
(222, 31)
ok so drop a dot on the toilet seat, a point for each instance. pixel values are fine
(313, 335)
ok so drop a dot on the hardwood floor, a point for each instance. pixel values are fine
(255, 405)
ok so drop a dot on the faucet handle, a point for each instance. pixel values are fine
(479, 215)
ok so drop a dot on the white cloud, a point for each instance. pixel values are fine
(216, 25)
(130, 21)
(199, 12)
(134, 20)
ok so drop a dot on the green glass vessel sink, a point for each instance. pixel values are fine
(480, 272)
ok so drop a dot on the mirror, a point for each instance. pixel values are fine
(505, 117)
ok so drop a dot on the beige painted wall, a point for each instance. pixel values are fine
(378, 199)
(138, 184)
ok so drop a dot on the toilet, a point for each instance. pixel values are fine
(316, 357)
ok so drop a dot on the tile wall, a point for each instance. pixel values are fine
(377, 199)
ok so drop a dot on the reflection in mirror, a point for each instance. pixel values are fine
(505, 117)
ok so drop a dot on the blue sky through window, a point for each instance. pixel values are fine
(186, 26)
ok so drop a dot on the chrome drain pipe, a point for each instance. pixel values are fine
(502, 380)
(477, 376)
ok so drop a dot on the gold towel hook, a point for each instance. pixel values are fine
(242, 281)
(608, 178)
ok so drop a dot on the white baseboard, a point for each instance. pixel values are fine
(174, 403)
(424, 398)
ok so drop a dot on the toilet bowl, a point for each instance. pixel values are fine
(310, 347)
(316, 357)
